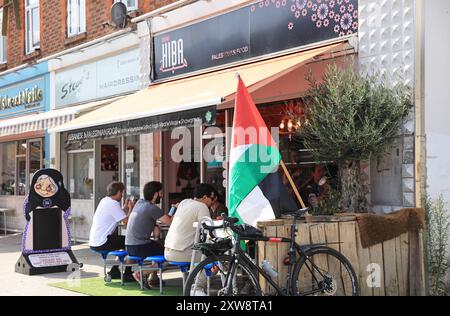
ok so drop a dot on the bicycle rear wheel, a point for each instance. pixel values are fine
(209, 279)
(326, 272)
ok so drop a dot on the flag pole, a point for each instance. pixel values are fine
(286, 172)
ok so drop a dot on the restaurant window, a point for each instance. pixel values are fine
(32, 26)
(81, 170)
(214, 148)
(7, 168)
(76, 17)
(132, 172)
(132, 5)
(300, 161)
(2, 40)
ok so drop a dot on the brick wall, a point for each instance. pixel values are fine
(53, 14)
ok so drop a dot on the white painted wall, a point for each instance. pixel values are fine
(437, 97)
(437, 100)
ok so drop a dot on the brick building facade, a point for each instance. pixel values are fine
(53, 28)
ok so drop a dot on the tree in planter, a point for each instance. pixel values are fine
(349, 118)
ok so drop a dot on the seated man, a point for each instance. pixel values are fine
(181, 235)
(106, 218)
(141, 225)
(218, 207)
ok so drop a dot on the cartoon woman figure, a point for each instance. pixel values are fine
(47, 229)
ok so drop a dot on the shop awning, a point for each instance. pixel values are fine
(128, 115)
(47, 120)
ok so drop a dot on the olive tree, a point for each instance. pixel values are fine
(349, 118)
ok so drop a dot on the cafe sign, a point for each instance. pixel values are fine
(261, 28)
(22, 98)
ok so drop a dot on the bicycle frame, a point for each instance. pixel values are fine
(239, 255)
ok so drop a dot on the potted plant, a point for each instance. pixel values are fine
(350, 118)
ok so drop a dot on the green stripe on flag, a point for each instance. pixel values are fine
(248, 171)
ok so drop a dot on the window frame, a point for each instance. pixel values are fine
(30, 46)
(135, 7)
(3, 43)
(27, 155)
(81, 7)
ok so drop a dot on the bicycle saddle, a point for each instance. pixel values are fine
(249, 231)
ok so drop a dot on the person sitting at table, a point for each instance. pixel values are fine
(218, 206)
(103, 235)
(181, 235)
(142, 224)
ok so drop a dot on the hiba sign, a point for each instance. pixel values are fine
(255, 30)
(97, 80)
(172, 55)
(22, 98)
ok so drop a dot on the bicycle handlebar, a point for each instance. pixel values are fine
(229, 219)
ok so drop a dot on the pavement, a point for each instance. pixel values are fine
(15, 284)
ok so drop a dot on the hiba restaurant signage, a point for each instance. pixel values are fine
(101, 79)
(26, 97)
(255, 30)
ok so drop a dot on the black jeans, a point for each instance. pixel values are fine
(114, 242)
(153, 248)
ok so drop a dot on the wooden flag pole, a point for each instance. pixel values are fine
(286, 172)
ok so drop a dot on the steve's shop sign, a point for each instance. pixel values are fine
(252, 31)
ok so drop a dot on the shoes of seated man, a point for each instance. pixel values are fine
(155, 282)
(114, 273)
(198, 292)
(128, 277)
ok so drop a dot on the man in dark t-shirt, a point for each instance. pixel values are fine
(142, 224)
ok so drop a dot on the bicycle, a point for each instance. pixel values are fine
(236, 274)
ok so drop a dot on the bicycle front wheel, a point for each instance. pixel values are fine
(209, 278)
(326, 272)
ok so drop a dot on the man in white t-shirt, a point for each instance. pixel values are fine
(181, 235)
(180, 238)
(107, 216)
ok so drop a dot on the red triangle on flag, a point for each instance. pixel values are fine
(247, 117)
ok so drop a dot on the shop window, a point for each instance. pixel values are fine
(32, 26)
(132, 172)
(81, 170)
(2, 41)
(19, 161)
(132, 5)
(35, 157)
(21, 168)
(7, 168)
(76, 17)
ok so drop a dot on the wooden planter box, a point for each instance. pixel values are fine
(400, 260)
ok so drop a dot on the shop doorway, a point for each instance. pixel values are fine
(108, 162)
(180, 176)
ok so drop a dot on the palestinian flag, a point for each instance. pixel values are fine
(256, 191)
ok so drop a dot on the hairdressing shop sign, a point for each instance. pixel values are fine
(101, 79)
(255, 30)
